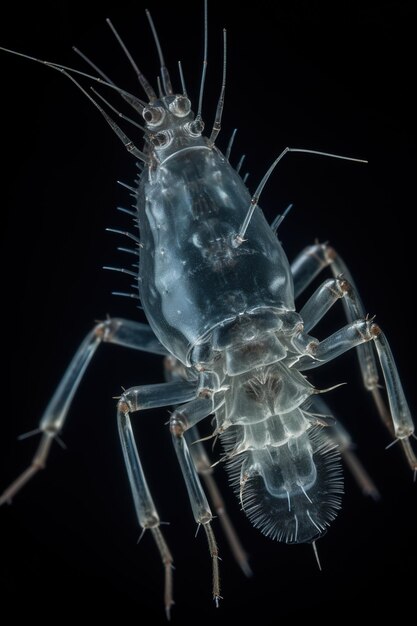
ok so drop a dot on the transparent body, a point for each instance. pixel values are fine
(228, 309)
(218, 293)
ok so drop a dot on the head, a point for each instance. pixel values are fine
(171, 126)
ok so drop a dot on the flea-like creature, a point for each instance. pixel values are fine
(219, 295)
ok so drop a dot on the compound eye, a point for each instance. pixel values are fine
(153, 116)
(181, 106)
(195, 128)
(162, 139)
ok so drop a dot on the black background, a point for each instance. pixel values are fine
(336, 78)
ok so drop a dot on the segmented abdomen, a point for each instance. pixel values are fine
(284, 467)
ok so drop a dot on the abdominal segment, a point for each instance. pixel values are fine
(287, 474)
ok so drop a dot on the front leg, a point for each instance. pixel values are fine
(136, 399)
(116, 331)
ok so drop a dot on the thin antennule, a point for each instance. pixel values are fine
(128, 144)
(146, 86)
(92, 64)
(184, 90)
(121, 115)
(239, 239)
(220, 105)
(166, 81)
(204, 72)
(128, 96)
(134, 102)
(160, 92)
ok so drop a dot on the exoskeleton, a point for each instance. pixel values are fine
(219, 295)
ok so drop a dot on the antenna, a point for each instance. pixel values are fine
(148, 89)
(239, 239)
(220, 105)
(204, 71)
(166, 81)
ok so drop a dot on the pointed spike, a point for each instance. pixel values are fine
(30, 433)
(230, 144)
(280, 218)
(239, 165)
(122, 270)
(125, 233)
(128, 250)
(128, 211)
(132, 189)
(123, 294)
(316, 554)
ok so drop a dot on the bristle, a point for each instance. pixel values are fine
(269, 483)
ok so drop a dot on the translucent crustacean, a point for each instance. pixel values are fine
(218, 292)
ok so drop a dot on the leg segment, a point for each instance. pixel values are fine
(135, 399)
(358, 333)
(174, 370)
(182, 419)
(116, 331)
(305, 268)
(204, 468)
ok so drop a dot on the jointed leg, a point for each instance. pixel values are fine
(357, 333)
(182, 419)
(305, 268)
(174, 370)
(115, 331)
(204, 468)
(135, 399)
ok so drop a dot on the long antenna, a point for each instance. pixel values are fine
(166, 81)
(92, 64)
(239, 239)
(148, 89)
(121, 115)
(128, 144)
(183, 87)
(204, 72)
(67, 69)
